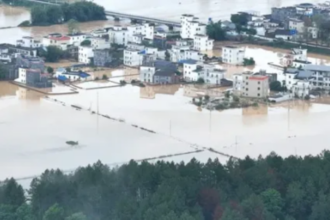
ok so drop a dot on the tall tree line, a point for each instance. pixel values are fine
(79, 11)
(271, 188)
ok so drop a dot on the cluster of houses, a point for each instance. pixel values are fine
(165, 56)
(286, 23)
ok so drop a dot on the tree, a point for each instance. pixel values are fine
(276, 86)
(85, 43)
(77, 216)
(39, 16)
(54, 212)
(231, 214)
(273, 201)
(167, 56)
(73, 26)
(13, 194)
(24, 212)
(239, 19)
(200, 81)
(50, 70)
(53, 54)
(215, 32)
(3, 71)
(249, 62)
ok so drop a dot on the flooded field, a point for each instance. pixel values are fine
(37, 128)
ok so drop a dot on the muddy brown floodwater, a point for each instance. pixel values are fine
(37, 128)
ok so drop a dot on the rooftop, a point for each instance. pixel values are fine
(321, 68)
(62, 38)
(164, 72)
(283, 32)
(258, 77)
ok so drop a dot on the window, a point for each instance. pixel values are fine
(247, 89)
(259, 83)
(258, 94)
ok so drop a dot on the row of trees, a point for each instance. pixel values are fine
(271, 188)
(79, 11)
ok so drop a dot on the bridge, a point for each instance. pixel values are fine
(119, 15)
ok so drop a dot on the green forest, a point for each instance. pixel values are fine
(267, 188)
(79, 11)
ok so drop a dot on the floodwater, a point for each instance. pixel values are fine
(37, 128)
(204, 9)
(12, 16)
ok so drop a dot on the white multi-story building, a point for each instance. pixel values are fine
(321, 76)
(28, 42)
(118, 35)
(203, 43)
(305, 9)
(298, 81)
(297, 25)
(301, 88)
(313, 32)
(211, 74)
(233, 55)
(56, 40)
(180, 53)
(85, 54)
(99, 43)
(132, 57)
(190, 26)
(147, 73)
(146, 31)
(76, 39)
(21, 75)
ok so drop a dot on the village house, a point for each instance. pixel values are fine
(210, 73)
(255, 86)
(190, 26)
(313, 32)
(85, 54)
(56, 40)
(296, 25)
(298, 81)
(100, 33)
(28, 42)
(63, 75)
(296, 57)
(305, 9)
(203, 43)
(321, 76)
(139, 32)
(118, 35)
(284, 34)
(132, 57)
(233, 55)
(102, 57)
(282, 14)
(31, 72)
(76, 39)
(159, 72)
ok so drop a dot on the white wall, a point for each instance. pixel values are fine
(147, 74)
(85, 53)
(233, 55)
(132, 58)
(188, 72)
(21, 75)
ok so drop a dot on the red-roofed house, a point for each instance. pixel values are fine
(255, 86)
(56, 40)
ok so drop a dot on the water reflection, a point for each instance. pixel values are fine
(149, 92)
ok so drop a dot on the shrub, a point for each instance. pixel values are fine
(104, 77)
(26, 23)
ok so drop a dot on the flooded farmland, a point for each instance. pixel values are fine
(37, 128)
